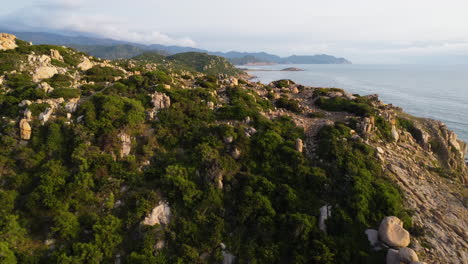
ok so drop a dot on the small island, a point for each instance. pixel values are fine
(292, 69)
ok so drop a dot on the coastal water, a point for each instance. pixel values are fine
(438, 92)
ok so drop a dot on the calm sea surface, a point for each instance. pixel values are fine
(437, 92)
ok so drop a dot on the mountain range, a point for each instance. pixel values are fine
(116, 49)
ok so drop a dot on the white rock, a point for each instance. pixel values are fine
(228, 258)
(392, 257)
(236, 153)
(299, 145)
(7, 41)
(45, 116)
(45, 87)
(126, 142)
(55, 54)
(44, 72)
(85, 64)
(25, 129)
(72, 105)
(407, 255)
(373, 237)
(325, 213)
(392, 233)
(159, 215)
(27, 114)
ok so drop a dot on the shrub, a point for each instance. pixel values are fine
(360, 108)
(66, 93)
(289, 104)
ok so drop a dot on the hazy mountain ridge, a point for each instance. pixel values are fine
(114, 49)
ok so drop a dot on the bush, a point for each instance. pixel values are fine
(358, 107)
(66, 93)
(102, 74)
(289, 104)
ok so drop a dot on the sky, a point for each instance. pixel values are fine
(363, 31)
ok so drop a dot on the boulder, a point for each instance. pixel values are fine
(27, 114)
(392, 257)
(160, 215)
(126, 142)
(234, 81)
(55, 54)
(325, 213)
(299, 145)
(85, 64)
(45, 87)
(160, 100)
(72, 105)
(236, 153)
(392, 233)
(210, 105)
(45, 116)
(25, 129)
(395, 134)
(44, 72)
(7, 41)
(407, 255)
(373, 237)
(294, 90)
(228, 139)
(228, 258)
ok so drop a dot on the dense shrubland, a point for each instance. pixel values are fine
(69, 187)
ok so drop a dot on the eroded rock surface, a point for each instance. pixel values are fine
(160, 215)
(7, 41)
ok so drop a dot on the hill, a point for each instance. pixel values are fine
(131, 161)
(113, 49)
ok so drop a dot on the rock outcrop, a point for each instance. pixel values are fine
(55, 55)
(25, 129)
(325, 213)
(85, 64)
(392, 233)
(7, 41)
(160, 215)
(299, 145)
(126, 144)
(160, 100)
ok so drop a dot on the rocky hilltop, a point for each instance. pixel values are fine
(151, 161)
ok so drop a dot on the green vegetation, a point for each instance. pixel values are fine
(193, 61)
(289, 104)
(359, 106)
(102, 74)
(230, 175)
(282, 83)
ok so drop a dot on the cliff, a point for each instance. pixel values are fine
(152, 161)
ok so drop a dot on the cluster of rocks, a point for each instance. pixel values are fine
(159, 101)
(7, 41)
(160, 215)
(392, 236)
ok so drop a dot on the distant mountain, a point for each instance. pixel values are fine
(193, 61)
(115, 49)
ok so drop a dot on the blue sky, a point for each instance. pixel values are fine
(365, 31)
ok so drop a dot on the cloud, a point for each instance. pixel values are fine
(65, 16)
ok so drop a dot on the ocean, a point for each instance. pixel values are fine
(433, 91)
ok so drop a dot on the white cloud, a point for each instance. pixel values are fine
(66, 16)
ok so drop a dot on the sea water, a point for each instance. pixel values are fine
(433, 91)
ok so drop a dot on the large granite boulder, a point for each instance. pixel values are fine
(126, 147)
(44, 72)
(160, 215)
(407, 255)
(392, 257)
(392, 233)
(299, 145)
(25, 129)
(85, 64)
(160, 100)
(55, 55)
(7, 41)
